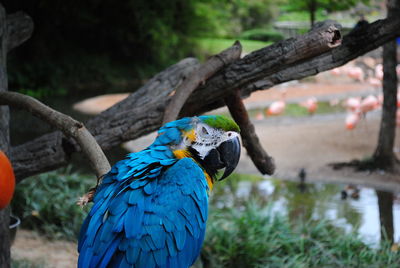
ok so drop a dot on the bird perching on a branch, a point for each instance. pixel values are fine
(151, 209)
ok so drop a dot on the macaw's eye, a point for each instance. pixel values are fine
(204, 131)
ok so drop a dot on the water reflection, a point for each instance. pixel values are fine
(315, 201)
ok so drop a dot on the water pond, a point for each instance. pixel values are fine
(358, 211)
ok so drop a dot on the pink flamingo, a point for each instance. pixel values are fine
(369, 103)
(336, 71)
(379, 71)
(398, 97)
(311, 104)
(375, 82)
(353, 104)
(259, 116)
(352, 120)
(356, 73)
(276, 108)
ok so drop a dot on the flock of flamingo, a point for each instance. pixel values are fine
(357, 107)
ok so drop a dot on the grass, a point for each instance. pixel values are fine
(252, 237)
(47, 203)
(295, 110)
(212, 46)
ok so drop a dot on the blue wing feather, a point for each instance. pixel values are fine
(157, 221)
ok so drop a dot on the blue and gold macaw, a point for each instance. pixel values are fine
(151, 209)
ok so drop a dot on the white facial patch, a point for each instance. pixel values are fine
(208, 138)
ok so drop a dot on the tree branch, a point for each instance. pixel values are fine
(142, 111)
(264, 163)
(198, 76)
(69, 126)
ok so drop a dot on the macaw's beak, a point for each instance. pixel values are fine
(226, 155)
(230, 153)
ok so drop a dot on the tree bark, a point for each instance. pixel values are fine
(385, 204)
(198, 76)
(4, 140)
(264, 163)
(384, 156)
(142, 111)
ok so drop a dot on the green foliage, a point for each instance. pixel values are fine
(108, 46)
(252, 237)
(266, 35)
(317, 7)
(47, 203)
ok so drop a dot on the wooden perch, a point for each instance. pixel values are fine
(199, 76)
(69, 126)
(264, 163)
(142, 111)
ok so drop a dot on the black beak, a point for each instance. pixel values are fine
(226, 155)
(230, 153)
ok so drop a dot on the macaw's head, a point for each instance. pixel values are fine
(211, 140)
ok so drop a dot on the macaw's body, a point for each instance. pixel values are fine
(7, 181)
(151, 209)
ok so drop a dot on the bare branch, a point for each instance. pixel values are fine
(199, 76)
(69, 126)
(264, 163)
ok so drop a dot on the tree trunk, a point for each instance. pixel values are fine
(385, 204)
(312, 8)
(4, 140)
(384, 156)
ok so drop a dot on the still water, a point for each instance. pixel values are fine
(312, 201)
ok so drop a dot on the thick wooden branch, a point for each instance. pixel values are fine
(142, 111)
(199, 76)
(266, 61)
(20, 29)
(264, 163)
(69, 126)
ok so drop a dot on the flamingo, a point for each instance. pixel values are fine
(336, 71)
(311, 104)
(353, 104)
(375, 82)
(259, 116)
(356, 73)
(398, 97)
(369, 103)
(352, 120)
(7, 181)
(379, 71)
(276, 108)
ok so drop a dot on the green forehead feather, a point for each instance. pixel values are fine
(221, 122)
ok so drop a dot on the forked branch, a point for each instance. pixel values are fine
(69, 126)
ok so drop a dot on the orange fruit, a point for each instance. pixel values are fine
(7, 181)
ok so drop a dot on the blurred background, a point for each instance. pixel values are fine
(306, 215)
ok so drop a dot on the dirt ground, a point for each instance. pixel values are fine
(309, 142)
